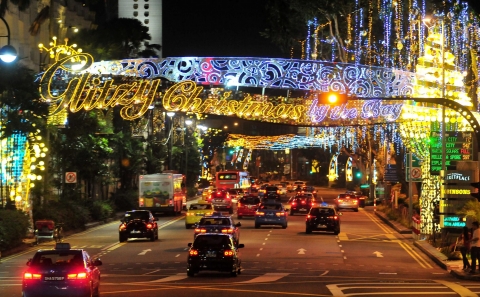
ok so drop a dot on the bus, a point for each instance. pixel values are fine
(233, 179)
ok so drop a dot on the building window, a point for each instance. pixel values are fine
(146, 21)
(146, 6)
(135, 13)
(146, 13)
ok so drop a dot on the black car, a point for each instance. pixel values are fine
(61, 272)
(218, 223)
(214, 251)
(138, 224)
(323, 218)
(301, 204)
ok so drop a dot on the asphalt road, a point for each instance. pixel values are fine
(366, 258)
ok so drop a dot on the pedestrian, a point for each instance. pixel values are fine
(475, 246)
(464, 240)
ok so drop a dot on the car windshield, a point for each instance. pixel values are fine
(271, 206)
(250, 200)
(214, 221)
(200, 206)
(212, 241)
(218, 195)
(322, 211)
(141, 215)
(55, 258)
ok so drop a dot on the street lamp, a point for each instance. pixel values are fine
(187, 124)
(170, 144)
(7, 53)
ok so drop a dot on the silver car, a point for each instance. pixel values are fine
(346, 201)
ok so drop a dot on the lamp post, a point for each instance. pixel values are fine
(187, 124)
(8, 53)
(170, 140)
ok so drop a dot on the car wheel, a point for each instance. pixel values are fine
(239, 217)
(190, 273)
(188, 226)
(234, 272)
(284, 226)
(291, 212)
(230, 210)
(152, 237)
(308, 230)
(336, 231)
(257, 226)
(121, 238)
(356, 209)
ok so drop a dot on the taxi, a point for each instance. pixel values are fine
(196, 211)
(206, 192)
(61, 271)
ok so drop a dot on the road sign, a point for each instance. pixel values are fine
(70, 177)
(415, 173)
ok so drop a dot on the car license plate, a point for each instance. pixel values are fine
(211, 254)
(135, 232)
(200, 214)
(54, 278)
(303, 209)
(218, 200)
(321, 226)
(270, 214)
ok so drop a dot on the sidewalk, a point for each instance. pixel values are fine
(453, 266)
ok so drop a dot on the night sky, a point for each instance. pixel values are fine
(216, 28)
(220, 28)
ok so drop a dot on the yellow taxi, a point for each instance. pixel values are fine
(196, 211)
(206, 193)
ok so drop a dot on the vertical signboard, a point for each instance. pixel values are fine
(458, 147)
(457, 188)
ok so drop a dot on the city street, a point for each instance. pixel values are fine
(367, 257)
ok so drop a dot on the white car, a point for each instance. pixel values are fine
(282, 191)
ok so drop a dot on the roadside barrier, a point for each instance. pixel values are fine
(416, 228)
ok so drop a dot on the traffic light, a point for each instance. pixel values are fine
(477, 193)
(332, 98)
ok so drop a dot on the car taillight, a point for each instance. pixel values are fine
(30, 275)
(190, 214)
(229, 230)
(303, 202)
(208, 214)
(312, 204)
(334, 217)
(239, 204)
(355, 201)
(281, 214)
(340, 200)
(309, 216)
(123, 226)
(228, 253)
(259, 213)
(200, 230)
(294, 203)
(193, 252)
(149, 226)
(80, 275)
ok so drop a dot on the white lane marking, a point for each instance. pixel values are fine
(172, 278)
(178, 255)
(144, 252)
(325, 273)
(258, 255)
(261, 249)
(267, 277)
(150, 272)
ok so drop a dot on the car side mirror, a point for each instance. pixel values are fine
(241, 245)
(29, 262)
(97, 262)
(238, 224)
(189, 244)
